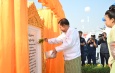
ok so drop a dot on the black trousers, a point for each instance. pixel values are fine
(104, 57)
(93, 57)
(83, 58)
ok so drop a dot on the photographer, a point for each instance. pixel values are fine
(104, 53)
(92, 45)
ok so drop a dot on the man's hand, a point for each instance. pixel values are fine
(45, 39)
(103, 38)
(89, 41)
(54, 53)
(94, 43)
(82, 44)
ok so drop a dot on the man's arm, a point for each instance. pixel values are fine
(95, 44)
(68, 42)
(56, 40)
(88, 41)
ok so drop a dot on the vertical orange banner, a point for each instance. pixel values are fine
(7, 39)
(21, 36)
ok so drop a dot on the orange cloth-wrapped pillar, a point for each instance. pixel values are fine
(7, 39)
(14, 36)
(21, 36)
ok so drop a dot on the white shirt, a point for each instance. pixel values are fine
(70, 44)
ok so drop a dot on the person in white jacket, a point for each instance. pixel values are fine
(70, 46)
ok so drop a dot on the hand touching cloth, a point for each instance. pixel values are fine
(51, 54)
(112, 47)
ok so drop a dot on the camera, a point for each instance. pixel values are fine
(92, 39)
(100, 35)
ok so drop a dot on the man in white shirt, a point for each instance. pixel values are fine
(70, 46)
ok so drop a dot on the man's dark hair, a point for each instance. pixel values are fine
(104, 33)
(63, 21)
(80, 32)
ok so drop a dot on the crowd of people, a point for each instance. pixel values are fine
(88, 48)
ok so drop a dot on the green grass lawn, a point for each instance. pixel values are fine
(95, 69)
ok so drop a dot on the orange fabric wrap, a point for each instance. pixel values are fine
(13, 36)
